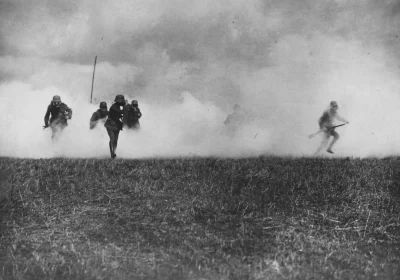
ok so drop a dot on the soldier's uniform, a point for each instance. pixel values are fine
(60, 114)
(325, 123)
(114, 123)
(132, 115)
(99, 116)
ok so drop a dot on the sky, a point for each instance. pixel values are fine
(188, 62)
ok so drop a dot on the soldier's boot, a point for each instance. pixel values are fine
(329, 149)
(113, 155)
(323, 144)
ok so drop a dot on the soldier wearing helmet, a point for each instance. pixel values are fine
(325, 122)
(60, 113)
(99, 116)
(114, 123)
(132, 115)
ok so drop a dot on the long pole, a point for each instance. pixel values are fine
(94, 69)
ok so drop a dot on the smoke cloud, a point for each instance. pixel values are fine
(189, 62)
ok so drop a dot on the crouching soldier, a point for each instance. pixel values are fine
(114, 123)
(325, 123)
(60, 113)
(132, 115)
(99, 116)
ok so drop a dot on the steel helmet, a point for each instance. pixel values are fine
(334, 104)
(56, 98)
(135, 102)
(119, 98)
(103, 104)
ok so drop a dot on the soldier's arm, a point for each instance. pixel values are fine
(339, 118)
(139, 114)
(93, 120)
(69, 111)
(47, 116)
(322, 120)
(321, 124)
(94, 117)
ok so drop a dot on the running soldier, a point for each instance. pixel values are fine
(99, 116)
(114, 123)
(234, 120)
(60, 113)
(132, 115)
(325, 126)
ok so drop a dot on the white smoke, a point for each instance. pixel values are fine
(188, 63)
(188, 128)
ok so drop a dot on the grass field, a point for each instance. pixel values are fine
(255, 218)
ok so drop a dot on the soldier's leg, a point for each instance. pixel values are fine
(324, 142)
(116, 134)
(335, 138)
(61, 128)
(56, 130)
(111, 142)
(54, 133)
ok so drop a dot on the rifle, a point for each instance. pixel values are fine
(329, 128)
(333, 127)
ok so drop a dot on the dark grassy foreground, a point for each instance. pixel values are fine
(259, 218)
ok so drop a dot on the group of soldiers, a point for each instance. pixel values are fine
(124, 115)
(120, 115)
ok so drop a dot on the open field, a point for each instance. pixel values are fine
(257, 218)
